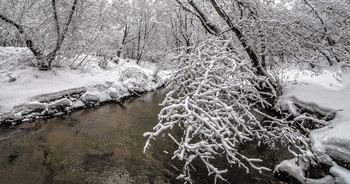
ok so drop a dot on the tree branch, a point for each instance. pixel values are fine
(199, 17)
(19, 27)
(252, 55)
(28, 41)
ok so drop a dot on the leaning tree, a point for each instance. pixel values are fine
(225, 83)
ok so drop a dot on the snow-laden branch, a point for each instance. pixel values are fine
(211, 102)
(215, 98)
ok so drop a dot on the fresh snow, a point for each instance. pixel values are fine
(293, 167)
(342, 175)
(34, 90)
(325, 92)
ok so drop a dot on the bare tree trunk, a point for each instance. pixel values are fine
(126, 33)
(138, 55)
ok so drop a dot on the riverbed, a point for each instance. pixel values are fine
(104, 144)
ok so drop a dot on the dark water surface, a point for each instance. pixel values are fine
(102, 145)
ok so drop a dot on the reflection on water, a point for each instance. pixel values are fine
(97, 145)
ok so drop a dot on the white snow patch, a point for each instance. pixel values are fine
(325, 180)
(325, 78)
(341, 174)
(333, 141)
(293, 167)
(325, 93)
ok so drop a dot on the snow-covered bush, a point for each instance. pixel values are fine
(132, 72)
(214, 99)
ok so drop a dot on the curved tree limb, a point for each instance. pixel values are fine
(206, 22)
(36, 52)
(252, 55)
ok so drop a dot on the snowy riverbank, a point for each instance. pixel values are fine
(324, 93)
(28, 93)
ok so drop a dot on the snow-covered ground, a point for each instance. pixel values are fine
(325, 92)
(26, 92)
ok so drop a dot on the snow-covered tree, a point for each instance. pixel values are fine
(214, 99)
(223, 86)
(42, 25)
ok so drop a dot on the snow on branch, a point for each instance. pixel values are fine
(210, 101)
(214, 98)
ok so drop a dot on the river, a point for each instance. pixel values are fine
(103, 144)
